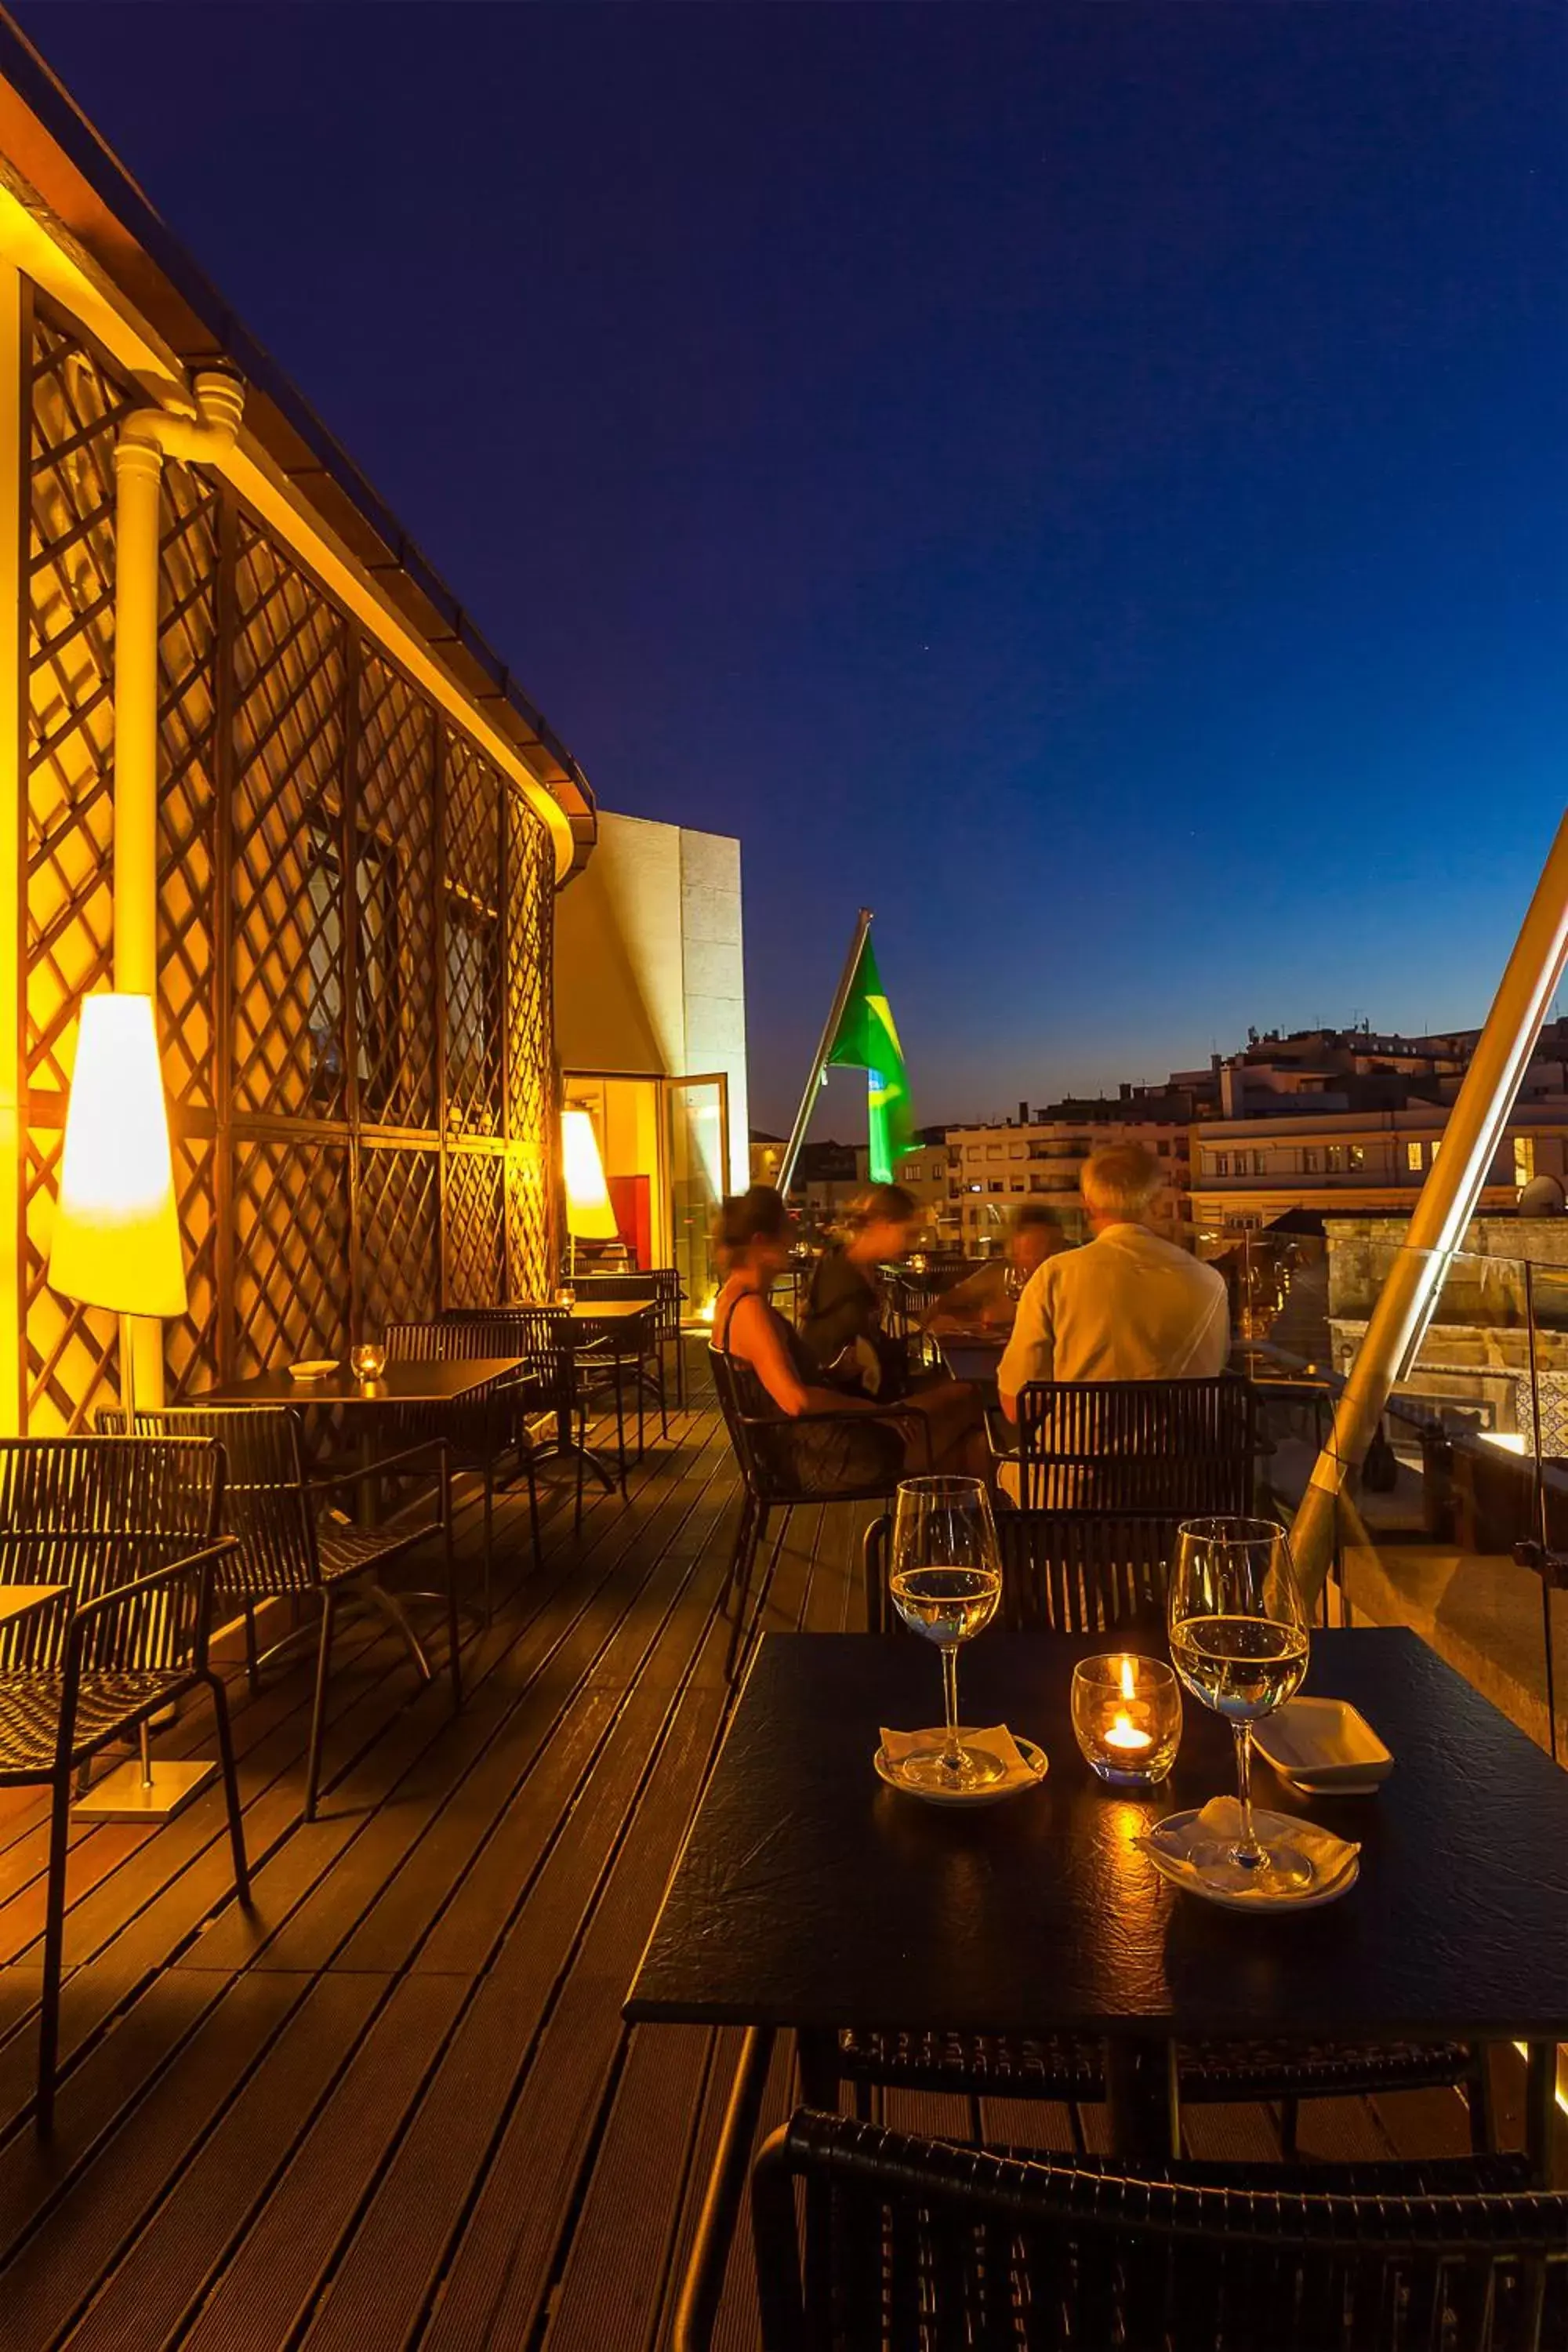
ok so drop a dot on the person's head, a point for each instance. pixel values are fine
(754, 1230)
(877, 1225)
(1036, 1236)
(1119, 1185)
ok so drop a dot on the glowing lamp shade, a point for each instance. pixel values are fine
(116, 1231)
(589, 1216)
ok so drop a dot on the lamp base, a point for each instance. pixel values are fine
(127, 1794)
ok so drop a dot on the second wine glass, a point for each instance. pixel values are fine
(945, 1581)
(1238, 1640)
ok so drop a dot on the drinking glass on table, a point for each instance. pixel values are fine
(944, 1577)
(1238, 1640)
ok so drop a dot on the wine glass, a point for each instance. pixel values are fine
(1238, 1640)
(945, 1579)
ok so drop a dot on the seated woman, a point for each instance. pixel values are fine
(862, 1446)
(841, 1322)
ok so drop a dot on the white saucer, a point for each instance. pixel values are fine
(313, 1368)
(1324, 1747)
(993, 1793)
(1312, 1898)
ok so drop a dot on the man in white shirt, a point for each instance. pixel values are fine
(1129, 1305)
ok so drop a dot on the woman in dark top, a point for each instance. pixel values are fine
(856, 1450)
(844, 1301)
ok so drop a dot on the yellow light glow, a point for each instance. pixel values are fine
(1129, 1680)
(116, 1241)
(588, 1212)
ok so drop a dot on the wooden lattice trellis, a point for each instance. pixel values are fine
(354, 935)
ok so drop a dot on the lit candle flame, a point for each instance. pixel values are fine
(1129, 1680)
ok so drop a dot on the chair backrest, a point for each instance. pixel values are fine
(94, 1514)
(925, 2244)
(1183, 1448)
(740, 1393)
(265, 1502)
(543, 1334)
(1062, 1571)
(441, 1343)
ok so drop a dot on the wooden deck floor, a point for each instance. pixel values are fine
(396, 2105)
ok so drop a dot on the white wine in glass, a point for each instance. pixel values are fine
(1238, 1640)
(945, 1581)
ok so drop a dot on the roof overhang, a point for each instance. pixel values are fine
(77, 222)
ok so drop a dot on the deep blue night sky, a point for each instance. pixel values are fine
(1087, 481)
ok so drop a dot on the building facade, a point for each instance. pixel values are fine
(333, 859)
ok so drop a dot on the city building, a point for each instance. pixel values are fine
(1350, 1123)
(1037, 1157)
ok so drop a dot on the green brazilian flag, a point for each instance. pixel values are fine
(866, 1039)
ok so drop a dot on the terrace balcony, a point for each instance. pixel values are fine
(398, 2104)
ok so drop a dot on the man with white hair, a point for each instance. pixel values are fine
(1129, 1305)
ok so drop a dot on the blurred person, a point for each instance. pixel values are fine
(841, 1321)
(987, 1299)
(1129, 1305)
(753, 1236)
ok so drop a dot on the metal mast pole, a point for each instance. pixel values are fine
(1447, 1203)
(807, 1100)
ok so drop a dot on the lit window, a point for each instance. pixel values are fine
(1335, 1159)
(1523, 1159)
(1355, 1156)
(1413, 1157)
(1433, 1149)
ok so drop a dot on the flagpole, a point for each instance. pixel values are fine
(803, 1116)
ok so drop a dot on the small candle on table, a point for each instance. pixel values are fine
(1124, 1733)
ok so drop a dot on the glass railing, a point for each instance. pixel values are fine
(1453, 1522)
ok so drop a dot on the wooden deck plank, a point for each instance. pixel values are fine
(398, 2107)
(173, 2253)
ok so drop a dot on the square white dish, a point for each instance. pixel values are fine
(1324, 1744)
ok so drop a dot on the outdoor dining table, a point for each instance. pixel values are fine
(812, 1897)
(621, 1324)
(974, 1356)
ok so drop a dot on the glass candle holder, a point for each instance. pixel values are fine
(1126, 1718)
(566, 1294)
(369, 1361)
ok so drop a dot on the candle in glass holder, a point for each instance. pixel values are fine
(1126, 1718)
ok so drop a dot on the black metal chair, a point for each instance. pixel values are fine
(544, 1334)
(915, 2245)
(1181, 1447)
(128, 1530)
(661, 1284)
(776, 1477)
(271, 1505)
(478, 1429)
(1075, 1572)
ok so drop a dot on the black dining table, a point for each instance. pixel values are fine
(810, 1896)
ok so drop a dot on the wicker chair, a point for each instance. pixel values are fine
(544, 1335)
(1075, 1572)
(478, 1429)
(916, 2245)
(771, 1475)
(661, 1284)
(129, 1530)
(1181, 1447)
(271, 1506)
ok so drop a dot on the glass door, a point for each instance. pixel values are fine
(697, 1134)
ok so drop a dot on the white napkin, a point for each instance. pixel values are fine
(997, 1741)
(1183, 1848)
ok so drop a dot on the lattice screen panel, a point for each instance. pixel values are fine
(290, 683)
(191, 1345)
(76, 407)
(187, 790)
(400, 1234)
(70, 1363)
(396, 891)
(476, 1236)
(291, 1251)
(531, 1110)
(472, 943)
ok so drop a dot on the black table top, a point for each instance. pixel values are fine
(400, 1383)
(810, 1895)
